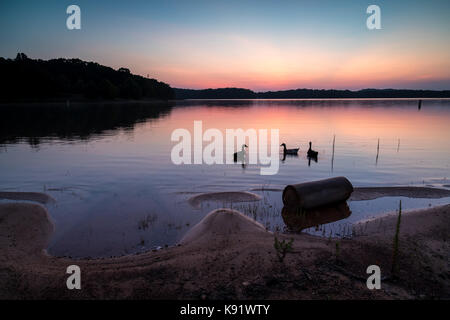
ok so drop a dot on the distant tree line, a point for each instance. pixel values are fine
(223, 93)
(25, 79)
(237, 93)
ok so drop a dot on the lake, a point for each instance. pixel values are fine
(118, 192)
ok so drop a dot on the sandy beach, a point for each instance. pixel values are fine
(229, 256)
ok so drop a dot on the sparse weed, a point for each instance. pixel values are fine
(396, 240)
(147, 222)
(338, 250)
(282, 248)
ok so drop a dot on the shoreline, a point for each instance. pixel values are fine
(372, 193)
(359, 194)
(63, 102)
(229, 256)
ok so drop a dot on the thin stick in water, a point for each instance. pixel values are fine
(332, 157)
(378, 151)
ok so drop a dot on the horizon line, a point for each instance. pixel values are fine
(218, 88)
(318, 89)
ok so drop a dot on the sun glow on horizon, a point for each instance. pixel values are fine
(268, 46)
(259, 64)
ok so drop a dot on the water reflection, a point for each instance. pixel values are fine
(116, 169)
(313, 158)
(311, 154)
(297, 220)
(285, 155)
(34, 123)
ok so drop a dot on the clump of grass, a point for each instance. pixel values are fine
(282, 248)
(147, 221)
(338, 250)
(396, 240)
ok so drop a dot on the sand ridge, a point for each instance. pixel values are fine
(228, 256)
(28, 196)
(221, 223)
(239, 196)
(370, 193)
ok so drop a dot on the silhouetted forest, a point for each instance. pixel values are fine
(223, 93)
(237, 93)
(25, 79)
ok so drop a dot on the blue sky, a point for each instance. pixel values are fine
(260, 45)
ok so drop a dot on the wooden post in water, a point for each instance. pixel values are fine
(332, 156)
(378, 151)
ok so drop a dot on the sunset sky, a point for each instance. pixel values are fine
(260, 45)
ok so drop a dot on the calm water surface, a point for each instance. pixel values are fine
(117, 191)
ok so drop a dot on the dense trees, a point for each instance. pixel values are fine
(57, 79)
(235, 93)
(365, 93)
(223, 93)
(24, 79)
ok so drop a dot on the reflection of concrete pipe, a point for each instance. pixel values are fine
(297, 220)
(317, 193)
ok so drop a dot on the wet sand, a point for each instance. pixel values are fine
(229, 256)
(371, 193)
(28, 196)
(240, 196)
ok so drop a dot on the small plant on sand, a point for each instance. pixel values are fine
(282, 247)
(396, 237)
(338, 250)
